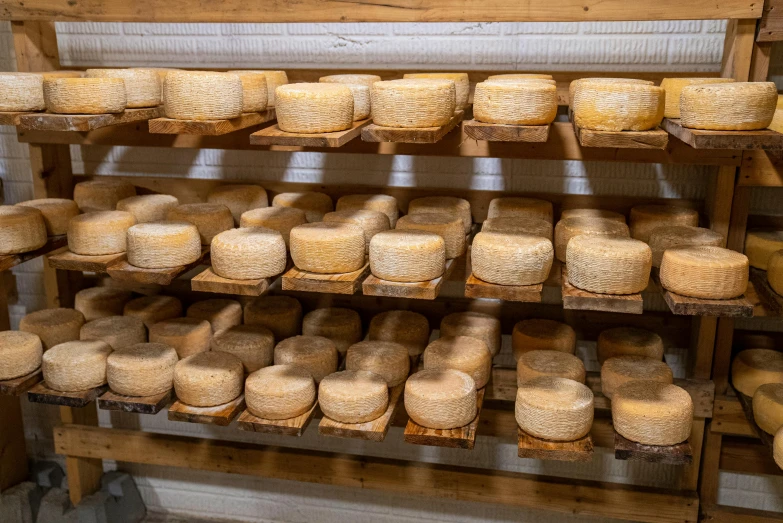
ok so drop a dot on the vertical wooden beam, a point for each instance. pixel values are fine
(738, 48)
(690, 478)
(84, 474)
(710, 467)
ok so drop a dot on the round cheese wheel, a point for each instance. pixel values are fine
(477, 325)
(515, 207)
(371, 202)
(253, 344)
(53, 326)
(101, 195)
(239, 198)
(608, 265)
(555, 409)
(100, 232)
(20, 354)
(280, 314)
(737, 106)
(274, 79)
(279, 392)
(511, 259)
(387, 359)
(22, 92)
(255, 95)
(674, 87)
(353, 396)
(280, 219)
(447, 226)
(57, 212)
(775, 271)
(314, 204)
(342, 326)
(777, 448)
(423, 102)
(540, 334)
(463, 353)
(752, 368)
(407, 255)
(210, 218)
(362, 79)
(22, 229)
(536, 363)
(440, 398)
(520, 76)
(528, 226)
(705, 272)
(328, 247)
(646, 218)
(221, 313)
(144, 369)
(163, 244)
(515, 103)
(574, 86)
(314, 108)
(768, 407)
(759, 246)
(248, 253)
(152, 309)
(316, 354)
(371, 222)
(618, 106)
(185, 335)
(619, 370)
(99, 302)
(208, 379)
(84, 95)
(670, 236)
(592, 213)
(443, 204)
(621, 341)
(143, 87)
(202, 95)
(117, 331)
(76, 365)
(361, 101)
(409, 329)
(652, 413)
(568, 228)
(461, 84)
(148, 207)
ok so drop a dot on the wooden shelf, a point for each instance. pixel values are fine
(746, 403)
(687, 306)
(138, 404)
(210, 127)
(654, 139)
(85, 122)
(377, 133)
(765, 139)
(208, 281)
(125, 272)
(285, 427)
(459, 438)
(20, 385)
(492, 132)
(578, 299)
(68, 261)
(476, 288)
(535, 448)
(680, 454)
(347, 283)
(12, 117)
(374, 430)
(771, 300)
(52, 244)
(40, 393)
(272, 135)
(428, 290)
(220, 415)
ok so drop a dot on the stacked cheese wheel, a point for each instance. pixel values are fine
(85, 95)
(704, 272)
(463, 353)
(185, 335)
(511, 259)
(554, 408)
(248, 253)
(208, 379)
(353, 396)
(371, 222)
(274, 79)
(142, 86)
(22, 92)
(279, 392)
(568, 228)
(515, 103)
(413, 103)
(328, 247)
(619, 370)
(608, 265)
(536, 363)
(252, 344)
(440, 398)
(646, 218)
(384, 358)
(57, 212)
(407, 255)
(100, 232)
(461, 84)
(316, 354)
(117, 331)
(443, 204)
(737, 106)
(674, 87)
(202, 95)
(618, 106)
(314, 108)
(514, 225)
(160, 245)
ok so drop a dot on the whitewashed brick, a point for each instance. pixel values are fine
(187, 30)
(252, 29)
(636, 27)
(455, 29)
(442, 53)
(631, 50)
(321, 51)
(533, 51)
(495, 52)
(79, 49)
(715, 26)
(347, 29)
(16, 192)
(695, 51)
(89, 28)
(532, 28)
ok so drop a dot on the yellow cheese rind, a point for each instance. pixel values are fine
(777, 448)
(22, 229)
(407, 255)
(57, 212)
(328, 247)
(143, 87)
(768, 407)
(705, 272)
(361, 101)
(53, 326)
(202, 95)
(670, 236)
(461, 84)
(148, 207)
(84, 95)
(541, 334)
(752, 368)
(409, 329)
(279, 392)
(208, 379)
(511, 259)
(76, 365)
(775, 271)
(618, 106)
(515, 103)
(314, 108)
(280, 219)
(371, 202)
(99, 302)
(280, 314)
(674, 87)
(512, 225)
(255, 95)
(738, 106)
(371, 222)
(316, 354)
(340, 325)
(362, 79)
(99, 232)
(20, 354)
(568, 228)
(22, 92)
(221, 313)
(759, 246)
(62, 74)
(520, 76)
(592, 213)
(608, 265)
(443, 204)
(464, 353)
(314, 204)
(413, 103)
(619, 370)
(477, 325)
(536, 363)
(152, 309)
(652, 413)
(159, 245)
(274, 79)
(144, 369)
(555, 409)
(353, 396)
(621, 341)
(210, 218)
(440, 398)
(447, 226)
(186, 335)
(646, 218)
(574, 86)
(254, 345)
(387, 359)
(239, 198)
(518, 207)
(248, 253)
(101, 195)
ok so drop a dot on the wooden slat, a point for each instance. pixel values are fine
(52, 244)
(771, 23)
(728, 514)
(125, 272)
(476, 288)
(729, 418)
(220, 415)
(285, 427)
(210, 127)
(428, 290)
(85, 122)
(69, 261)
(765, 139)
(13, 455)
(40, 393)
(459, 438)
(747, 407)
(141, 405)
(771, 300)
(654, 139)
(374, 430)
(347, 283)
(680, 454)
(208, 281)
(535, 448)
(761, 169)
(492, 132)
(20, 385)
(272, 135)
(685, 305)
(379, 133)
(747, 457)
(11, 118)
(578, 299)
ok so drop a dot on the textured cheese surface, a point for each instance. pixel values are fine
(22, 92)
(186, 335)
(353, 396)
(76, 365)
(408, 328)
(520, 76)
(314, 108)
(443, 204)
(410, 103)
(99, 302)
(674, 87)
(775, 271)
(248, 253)
(117, 331)
(99, 232)
(646, 218)
(371, 202)
(22, 229)
(606, 106)
(407, 255)
(568, 228)
(511, 259)
(20, 354)
(520, 207)
(279, 392)
(738, 106)
(361, 101)
(592, 213)
(342, 326)
(148, 207)
(152, 309)
(652, 413)
(574, 86)
(768, 407)
(143, 87)
(759, 246)
(536, 363)
(620, 341)
(101, 195)
(555, 409)
(518, 225)
(316, 354)
(542, 334)
(670, 236)
(461, 84)
(280, 314)
(515, 103)
(221, 313)
(387, 359)
(253, 344)
(53, 326)
(705, 272)
(280, 219)
(464, 353)
(144, 369)
(84, 95)
(440, 398)
(255, 95)
(371, 222)
(328, 247)
(608, 265)
(62, 74)
(57, 212)
(619, 370)
(777, 448)
(752, 368)
(274, 79)
(447, 226)
(202, 95)
(314, 204)
(239, 198)
(159, 245)
(362, 79)
(210, 218)
(479, 325)
(208, 379)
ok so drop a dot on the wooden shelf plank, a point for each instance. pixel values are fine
(210, 127)
(347, 283)
(272, 135)
(20, 385)
(578, 299)
(765, 139)
(208, 281)
(459, 438)
(12, 117)
(746, 403)
(377, 133)
(142, 405)
(492, 132)
(220, 415)
(40, 393)
(124, 271)
(680, 454)
(428, 290)
(285, 427)
(476, 288)
(69, 261)
(535, 448)
(771, 300)
(654, 139)
(729, 418)
(374, 430)
(85, 122)
(687, 306)
(52, 244)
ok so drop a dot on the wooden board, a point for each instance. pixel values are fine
(141, 405)
(210, 127)
(40, 393)
(492, 132)
(52, 244)
(765, 139)
(85, 122)
(729, 418)
(374, 430)
(680, 454)
(428, 290)
(683, 305)
(377, 133)
(69, 261)
(272, 135)
(771, 23)
(285, 427)
(124, 271)
(771, 300)
(476, 288)
(654, 139)
(20, 385)
(459, 438)
(208, 281)
(535, 448)
(347, 283)
(221, 415)
(12, 117)
(578, 299)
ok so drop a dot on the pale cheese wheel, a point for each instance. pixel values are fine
(618, 106)
(371, 202)
(777, 448)
(248, 253)
(20, 354)
(461, 84)
(554, 409)
(518, 207)
(22, 229)
(99, 302)
(652, 413)
(99, 232)
(510, 225)
(254, 345)
(409, 329)
(221, 313)
(202, 95)
(670, 236)
(574, 86)
(274, 79)
(608, 265)
(342, 326)
(314, 108)
(674, 87)
(619, 370)
(328, 247)
(371, 222)
(520, 76)
(621, 341)
(407, 256)
(152, 309)
(208, 379)
(117, 331)
(775, 271)
(479, 325)
(84, 95)
(144, 369)
(738, 106)
(53, 326)
(279, 392)
(22, 92)
(440, 398)
(464, 353)
(592, 213)
(752, 368)
(353, 396)
(515, 103)
(186, 335)
(568, 228)
(280, 314)
(646, 218)
(536, 363)
(76, 365)
(314, 204)
(768, 407)
(148, 207)
(705, 272)
(101, 195)
(511, 259)
(443, 204)
(362, 79)
(255, 95)
(361, 101)
(57, 212)
(759, 246)
(316, 354)
(447, 226)
(280, 219)
(541, 334)
(387, 359)
(239, 198)
(159, 245)
(143, 87)
(413, 103)
(210, 218)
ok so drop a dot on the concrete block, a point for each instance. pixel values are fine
(56, 508)
(20, 503)
(49, 474)
(122, 487)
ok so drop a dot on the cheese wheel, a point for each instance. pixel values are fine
(84, 95)
(22, 229)
(407, 255)
(608, 265)
(210, 218)
(152, 309)
(143, 87)
(621, 341)
(371, 222)
(570, 227)
(371, 202)
(117, 331)
(239, 198)
(314, 108)
(541, 334)
(515, 103)
(413, 103)
(254, 345)
(279, 392)
(100, 232)
(147, 208)
(409, 329)
(62, 74)
(280, 314)
(316, 354)
(738, 106)
(516, 207)
(536, 363)
(255, 95)
(387, 359)
(705, 272)
(461, 85)
(248, 253)
(361, 79)
(646, 218)
(57, 212)
(101, 195)
(342, 326)
(555, 409)
(605, 106)
(99, 302)
(440, 398)
(144, 369)
(447, 226)
(473, 324)
(668, 237)
(511, 259)
(202, 95)
(187, 336)
(314, 204)
(574, 86)
(22, 92)
(274, 79)
(768, 407)
(674, 87)
(280, 219)
(620, 370)
(160, 245)
(759, 246)
(777, 448)
(775, 271)
(328, 247)
(592, 213)
(752, 368)
(20, 354)
(221, 313)
(652, 413)
(464, 353)
(53, 326)
(520, 76)
(361, 101)
(443, 204)
(76, 365)
(208, 379)
(527, 226)
(353, 396)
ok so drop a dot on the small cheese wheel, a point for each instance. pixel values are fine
(353, 396)
(387, 359)
(239, 198)
(371, 222)
(371, 202)
(253, 344)
(621, 341)
(280, 219)
(737, 106)
(752, 368)
(210, 218)
(143, 87)
(342, 326)
(618, 106)
(447, 226)
(461, 85)
(328, 247)
(477, 325)
(202, 95)
(160, 245)
(528, 226)
(22, 92)
(248, 253)
(117, 331)
(101, 195)
(57, 212)
(148, 207)
(555, 409)
(361, 101)
(619, 370)
(759, 246)
(775, 271)
(413, 103)
(670, 236)
(99, 302)
(511, 259)
(574, 86)
(516, 207)
(144, 369)
(777, 448)
(520, 76)
(705, 272)
(316, 354)
(20, 354)
(674, 87)
(221, 313)
(540, 334)
(592, 213)
(152, 309)
(768, 407)
(443, 204)
(84, 95)
(274, 79)
(440, 398)
(22, 229)
(362, 79)
(536, 363)
(186, 335)
(53, 326)
(314, 204)
(567, 228)
(314, 108)
(76, 365)
(646, 218)
(279, 392)
(464, 353)
(407, 255)
(652, 413)
(255, 95)
(280, 314)
(208, 379)
(100, 232)
(409, 329)
(608, 265)
(515, 103)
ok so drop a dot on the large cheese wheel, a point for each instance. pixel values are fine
(443, 204)
(202, 95)
(160, 245)
(541, 334)
(255, 95)
(705, 272)
(117, 331)
(461, 84)
(84, 95)
(221, 313)
(618, 106)
(143, 87)
(423, 102)
(477, 325)
(407, 255)
(279, 392)
(409, 329)
(573, 87)
(752, 368)
(101, 195)
(99, 302)
(516, 207)
(100, 232)
(515, 103)
(739, 106)
(314, 204)
(385, 358)
(53, 326)
(608, 265)
(57, 212)
(353, 396)
(239, 198)
(22, 92)
(568, 228)
(621, 341)
(20, 354)
(280, 314)
(210, 218)
(342, 326)
(777, 448)
(619, 370)
(152, 309)
(511, 259)
(510, 225)
(144, 369)
(646, 218)
(371, 222)
(775, 271)
(76, 365)
(362, 79)
(463, 353)
(253, 344)
(447, 226)
(536, 363)
(371, 202)
(148, 207)
(440, 398)
(652, 413)
(328, 247)
(669, 236)
(316, 354)
(674, 87)
(768, 407)
(555, 409)
(314, 108)
(208, 379)
(22, 229)
(274, 79)
(592, 213)
(186, 335)
(759, 246)
(248, 253)
(280, 219)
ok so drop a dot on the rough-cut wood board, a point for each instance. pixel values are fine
(531, 447)
(272, 135)
(374, 430)
(427, 290)
(346, 283)
(577, 299)
(765, 139)
(208, 281)
(141, 405)
(69, 261)
(40, 393)
(771, 23)
(771, 300)
(52, 244)
(124, 271)
(377, 133)
(686, 306)
(680, 454)
(460, 438)
(729, 418)
(492, 132)
(747, 407)
(84, 122)
(476, 288)
(210, 127)
(20, 385)
(285, 427)
(221, 415)
(654, 139)
(11, 118)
